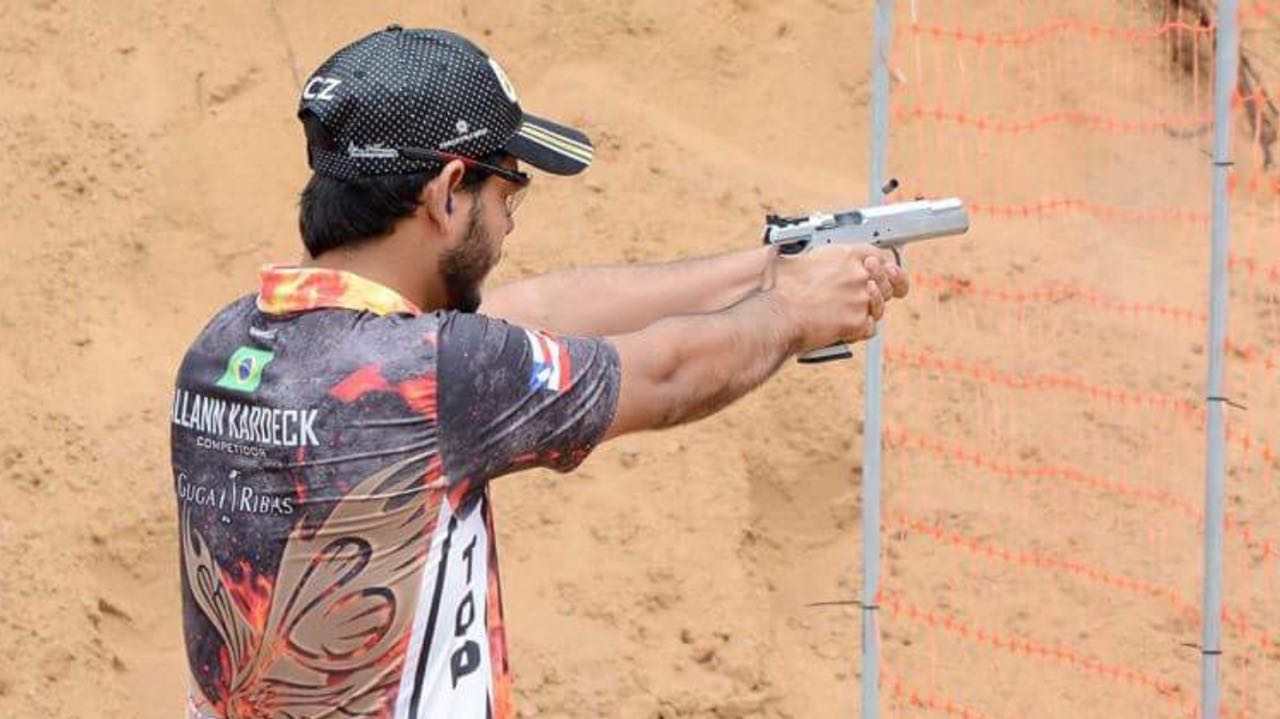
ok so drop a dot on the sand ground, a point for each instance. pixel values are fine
(1045, 453)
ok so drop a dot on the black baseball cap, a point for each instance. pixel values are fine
(428, 90)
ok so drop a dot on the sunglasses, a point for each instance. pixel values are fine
(520, 179)
(515, 177)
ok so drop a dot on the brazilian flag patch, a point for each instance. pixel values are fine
(244, 369)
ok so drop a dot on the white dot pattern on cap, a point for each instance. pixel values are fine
(405, 88)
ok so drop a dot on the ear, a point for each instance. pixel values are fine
(437, 195)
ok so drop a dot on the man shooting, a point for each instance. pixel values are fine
(334, 434)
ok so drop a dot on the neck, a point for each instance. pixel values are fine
(393, 261)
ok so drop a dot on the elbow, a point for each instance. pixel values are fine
(667, 367)
(682, 391)
(665, 386)
(654, 385)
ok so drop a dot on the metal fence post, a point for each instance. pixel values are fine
(872, 429)
(1225, 71)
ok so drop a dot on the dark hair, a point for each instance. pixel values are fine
(335, 213)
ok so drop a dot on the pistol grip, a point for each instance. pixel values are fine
(837, 351)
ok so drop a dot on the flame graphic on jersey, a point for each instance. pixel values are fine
(329, 635)
(284, 289)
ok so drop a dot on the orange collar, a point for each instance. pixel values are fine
(286, 289)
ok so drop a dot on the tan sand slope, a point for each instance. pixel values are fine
(151, 164)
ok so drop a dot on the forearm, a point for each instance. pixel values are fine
(621, 299)
(681, 369)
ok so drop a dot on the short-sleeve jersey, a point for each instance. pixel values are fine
(331, 448)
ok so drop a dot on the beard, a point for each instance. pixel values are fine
(464, 267)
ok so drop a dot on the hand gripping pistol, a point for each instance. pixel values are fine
(885, 226)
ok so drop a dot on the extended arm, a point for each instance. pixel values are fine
(684, 368)
(681, 369)
(617, 300)
(510, 397)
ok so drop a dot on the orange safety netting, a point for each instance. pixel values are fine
(1071, 131)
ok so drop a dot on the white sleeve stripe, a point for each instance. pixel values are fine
(536, 345)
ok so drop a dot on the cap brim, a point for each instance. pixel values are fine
(551, 147)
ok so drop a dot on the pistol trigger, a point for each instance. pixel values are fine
(896, 257)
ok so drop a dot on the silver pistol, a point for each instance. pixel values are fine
(885, 226)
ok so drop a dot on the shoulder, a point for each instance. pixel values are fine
(467, 332)
(221, 331)
(340, 340)
(387, 334)
(471, 342)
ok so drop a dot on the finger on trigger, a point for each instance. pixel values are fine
(876, 269)
(898, 280)
(879, 272)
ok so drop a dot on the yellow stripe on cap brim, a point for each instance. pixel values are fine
(556, 143)
(539, 129)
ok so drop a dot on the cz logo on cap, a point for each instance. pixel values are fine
(325, 92)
